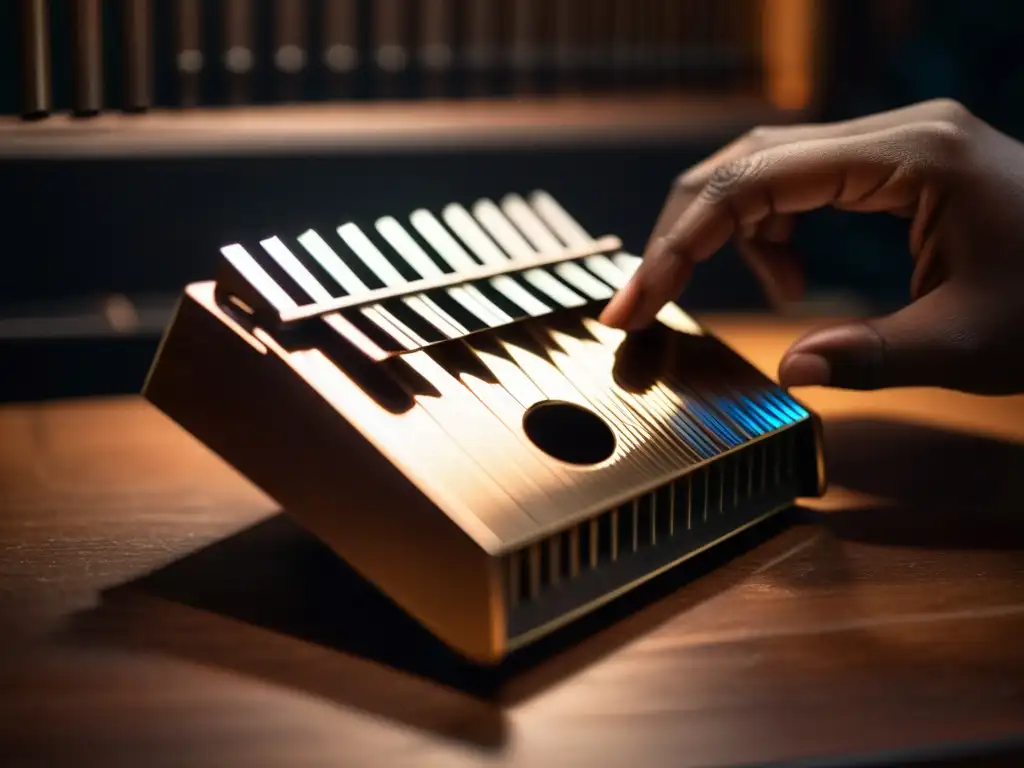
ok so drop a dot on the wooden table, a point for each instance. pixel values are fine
(156, 609)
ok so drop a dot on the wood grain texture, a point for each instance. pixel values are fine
(156, 608)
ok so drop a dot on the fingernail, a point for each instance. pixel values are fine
(852, 355)
(805, 370)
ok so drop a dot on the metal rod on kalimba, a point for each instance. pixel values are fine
(188, 51)
(35, 35)
(138, 70)
(87, 66)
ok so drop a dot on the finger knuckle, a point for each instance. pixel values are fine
(944, 144)
(950, 110)
(760, 136)
(685, 182)
(728, 179)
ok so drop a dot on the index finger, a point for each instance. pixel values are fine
(856, 172)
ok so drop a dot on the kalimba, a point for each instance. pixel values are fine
(436, 400)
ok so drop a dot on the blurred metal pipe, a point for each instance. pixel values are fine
(138, 63)
(87, 67)
(188, 51)
(37, 94)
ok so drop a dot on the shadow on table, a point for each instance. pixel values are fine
(273, 603)
(942, 489)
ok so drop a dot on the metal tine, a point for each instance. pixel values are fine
(403, 244)
(479, 276)
(370, 255)
(256, 276)
(441, 240)
(543, 240)
(352, 284)
(561, 222)
(460, 221)
(503, 231)
(343, 275)
(467, 228)
(308, 282)
(551, 213)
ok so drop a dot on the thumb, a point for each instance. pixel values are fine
(919, 346)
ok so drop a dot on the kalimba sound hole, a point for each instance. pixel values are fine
(569, 432)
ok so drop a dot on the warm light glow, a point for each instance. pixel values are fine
(789, 42)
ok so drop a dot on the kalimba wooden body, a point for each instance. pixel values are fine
(436, 400)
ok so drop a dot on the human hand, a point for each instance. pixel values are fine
(959, 182)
